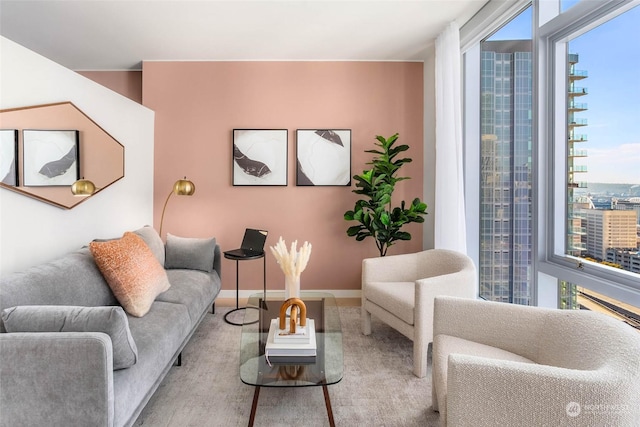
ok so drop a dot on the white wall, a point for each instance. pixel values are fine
(32, 232)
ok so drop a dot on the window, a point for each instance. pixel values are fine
(506, 76)
(551, 97)
(594, 150)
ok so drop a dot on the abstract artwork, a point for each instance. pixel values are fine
(323, 157)
(50, 157)
(9, 156)
(260, 156)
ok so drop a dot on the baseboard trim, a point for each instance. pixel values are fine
(338, 293)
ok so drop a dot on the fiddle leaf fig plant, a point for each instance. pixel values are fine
(374, 212)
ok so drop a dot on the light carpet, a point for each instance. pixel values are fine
(378, 387)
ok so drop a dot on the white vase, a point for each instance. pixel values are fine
(291, 287)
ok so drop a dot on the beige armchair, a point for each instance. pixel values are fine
(499, 364)
(399, 290)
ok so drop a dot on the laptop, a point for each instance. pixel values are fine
(252, 244)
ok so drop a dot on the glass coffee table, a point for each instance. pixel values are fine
(325, 370)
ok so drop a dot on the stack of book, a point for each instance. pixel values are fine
(284, 347)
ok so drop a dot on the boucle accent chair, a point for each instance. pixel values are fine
(498, 364)
(399, 290)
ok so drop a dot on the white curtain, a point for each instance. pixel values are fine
(450, 230)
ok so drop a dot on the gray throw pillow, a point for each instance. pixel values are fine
(190, 253)
(110, 320)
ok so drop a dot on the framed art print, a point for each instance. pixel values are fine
(50, 157)
(323, 157)
(260, 157)
(9, 157)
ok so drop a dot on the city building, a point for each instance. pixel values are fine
(628, 259)
(505, 185)
(608, 229)
(575, 229)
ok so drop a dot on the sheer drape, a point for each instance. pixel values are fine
(450, 230)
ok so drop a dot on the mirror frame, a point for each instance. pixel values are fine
(91, 161)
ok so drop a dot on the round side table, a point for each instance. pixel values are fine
(237, 259)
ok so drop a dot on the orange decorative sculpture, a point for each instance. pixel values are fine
(295, 304)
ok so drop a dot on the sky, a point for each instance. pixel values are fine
(610, 54)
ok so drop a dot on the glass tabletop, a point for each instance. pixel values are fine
(326, 369)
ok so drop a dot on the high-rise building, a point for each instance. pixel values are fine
(608, 228)
(505, 184)
(575, 229)
(576, 232)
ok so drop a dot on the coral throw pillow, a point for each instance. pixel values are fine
(133, 273)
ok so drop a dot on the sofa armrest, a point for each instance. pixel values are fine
(491, 392)
(56, 378)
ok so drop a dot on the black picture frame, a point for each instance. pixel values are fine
(50, 157)
(9, 157)
(323, 157)
(260, 157)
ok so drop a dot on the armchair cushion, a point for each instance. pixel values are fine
(396, 297)
(59, 318)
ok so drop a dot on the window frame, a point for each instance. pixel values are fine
(552, 41)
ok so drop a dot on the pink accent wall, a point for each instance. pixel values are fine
(126, 83)
(198, 104)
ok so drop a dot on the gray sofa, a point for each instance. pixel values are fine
(68, 378)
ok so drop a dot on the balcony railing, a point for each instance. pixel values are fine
(578, 185)
(580, 168)
(578, 91)
(578, 74)
(578, 122)
(578, 247)
(577, 153)
(578, 137)
(577, 106)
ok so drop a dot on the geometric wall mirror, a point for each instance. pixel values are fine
(45, 148)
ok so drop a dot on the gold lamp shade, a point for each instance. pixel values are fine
(83, 187)
(182, 187)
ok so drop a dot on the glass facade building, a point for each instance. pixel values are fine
(505, 183)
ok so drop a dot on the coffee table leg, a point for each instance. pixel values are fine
(254, 406)
(327, 402)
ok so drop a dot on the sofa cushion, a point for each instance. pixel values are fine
(194, 289)
(132, 272)
(190, 253)
(159, 336)
(59, 318)
(395, 297)
(73, 279)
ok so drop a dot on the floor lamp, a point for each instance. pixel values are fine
(182, 187)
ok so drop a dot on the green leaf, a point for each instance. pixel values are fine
(374, 211)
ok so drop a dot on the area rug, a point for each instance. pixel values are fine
(378, 388)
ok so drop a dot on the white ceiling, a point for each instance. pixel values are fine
(118, 34)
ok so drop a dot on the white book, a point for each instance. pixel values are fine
(301, 335)
(290, 348)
